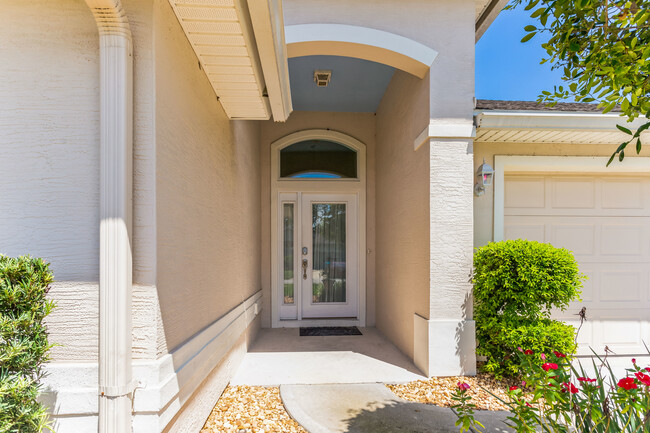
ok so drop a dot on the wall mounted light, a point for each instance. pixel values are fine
(484, 176)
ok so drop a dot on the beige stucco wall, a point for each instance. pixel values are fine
(402, 248)
(49, 135)
(484, 205)
(358, 125)
(207, 192)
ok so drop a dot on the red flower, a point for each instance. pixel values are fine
(549, 366)
(528, 352)
(647, 368)
(559, 354)
(463, 386)
(586, 379)
(634, 361)
(627, 383)
(643, 378)
(512, 388)
(566, 386)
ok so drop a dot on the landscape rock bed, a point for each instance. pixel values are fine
(250, 409)
(438, 391)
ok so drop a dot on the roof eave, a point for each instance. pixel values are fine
(488, 16)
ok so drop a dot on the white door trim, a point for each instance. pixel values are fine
(553, 164)
(331, 186)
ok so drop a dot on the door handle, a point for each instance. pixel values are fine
(305, 264)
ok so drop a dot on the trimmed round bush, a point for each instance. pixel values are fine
(516, 285)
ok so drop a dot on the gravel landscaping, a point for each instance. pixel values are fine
(257, 409)
(250, 409)
(438, 390)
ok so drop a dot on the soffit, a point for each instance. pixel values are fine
(552, 127)
(221, 35)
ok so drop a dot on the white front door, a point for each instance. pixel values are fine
(320, 251)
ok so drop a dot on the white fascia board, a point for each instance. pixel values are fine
(553, 120)
(268, 25)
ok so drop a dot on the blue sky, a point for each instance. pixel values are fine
(507, 69)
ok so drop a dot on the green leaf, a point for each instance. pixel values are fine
(530, 28)
(624, 129)
(538, 12)
(625, 105)
(528, 37)
(638, 146)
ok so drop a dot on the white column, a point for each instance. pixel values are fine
(115, 274)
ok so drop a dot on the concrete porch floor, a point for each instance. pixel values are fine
(282, 357)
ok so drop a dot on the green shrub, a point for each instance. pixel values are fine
(24, 283)
(516, 285)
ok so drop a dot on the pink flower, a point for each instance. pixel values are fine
(559, 354)
(523, 383)
(549, 366)
(528, 352)
(520, 349)
(543, 356)
(566, 386)
(634, 361)
(463, 386)
(627, 383)
(643, 378)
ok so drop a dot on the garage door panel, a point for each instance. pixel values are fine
(621, 286)
(531, 232)
(573, 193)
(631, 198)
(579, 238)
(590, 285)
(605, 222)
(624, 238)
(526, 192)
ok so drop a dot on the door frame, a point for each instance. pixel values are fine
(319, 186)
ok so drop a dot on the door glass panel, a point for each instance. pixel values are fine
(328, 255)
(288, 234)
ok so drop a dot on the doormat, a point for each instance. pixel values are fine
(326, 331)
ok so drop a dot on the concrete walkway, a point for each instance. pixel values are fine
(281, 356)
(372, 408)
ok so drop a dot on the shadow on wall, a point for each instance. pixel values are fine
(461, 350)
(409, 417)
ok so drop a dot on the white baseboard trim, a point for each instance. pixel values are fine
(163, 385)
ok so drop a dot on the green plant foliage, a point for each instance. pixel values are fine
(516, 285)
(24, 283)
(603, 49)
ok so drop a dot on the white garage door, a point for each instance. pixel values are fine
(605, 221)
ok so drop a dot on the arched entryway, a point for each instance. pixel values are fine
(318, 218)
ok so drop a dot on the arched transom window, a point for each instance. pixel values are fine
(318, 159)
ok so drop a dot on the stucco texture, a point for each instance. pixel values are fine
(49, 135)
(207, 192)
(357, 125)
(402, 276)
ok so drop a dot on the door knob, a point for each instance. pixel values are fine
(305, 264)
